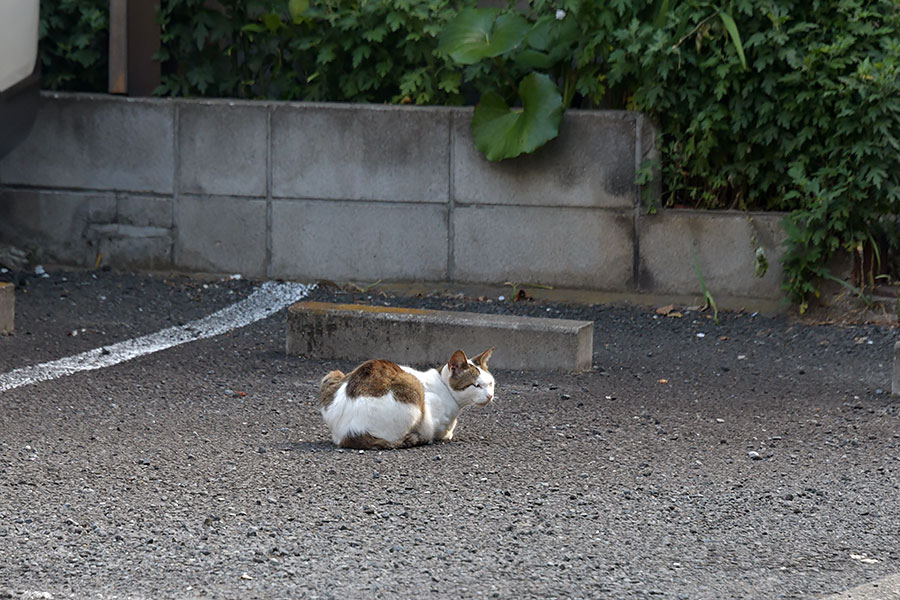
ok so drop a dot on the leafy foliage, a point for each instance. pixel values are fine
(779, 104)
(811, 125)
(564, 43)
(74, 44)
(366, 51)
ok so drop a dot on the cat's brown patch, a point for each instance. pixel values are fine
(378, 377)
(365, 441)
(462, 380)
(329, 387)
(462, 374)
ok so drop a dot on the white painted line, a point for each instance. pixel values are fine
(267, 299)
(883, 589)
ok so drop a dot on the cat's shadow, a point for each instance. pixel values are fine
(327, 446)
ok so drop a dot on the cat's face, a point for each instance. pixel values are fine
(470, 379)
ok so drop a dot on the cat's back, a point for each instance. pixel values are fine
(376, 378)
(377, 399)
(373, 378)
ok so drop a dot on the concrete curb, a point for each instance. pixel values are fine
(7, 308)
(428, 337)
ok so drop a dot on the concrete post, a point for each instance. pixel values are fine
(7, 308)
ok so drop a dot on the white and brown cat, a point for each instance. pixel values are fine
(381, 404)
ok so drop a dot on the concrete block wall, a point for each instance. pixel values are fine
(359, 192)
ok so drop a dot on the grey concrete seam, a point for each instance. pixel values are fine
(363, 201)
(83, 191)
(636, 211)
(176, 194)
(116, 217)
(638, 124)
(451, 202)
(268, 260)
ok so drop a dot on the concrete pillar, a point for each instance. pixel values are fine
(7, 308)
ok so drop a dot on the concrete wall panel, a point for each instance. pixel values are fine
(590, 164)
(577, 248)
(144, 211)
(55, 225)
(97, 143)
(222, 147)
(344, 152)
(221, 235)
(359, 241)
(721, 243)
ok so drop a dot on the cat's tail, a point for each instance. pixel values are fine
(329, 386)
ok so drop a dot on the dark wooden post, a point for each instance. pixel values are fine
(133, 39)
(118, 46)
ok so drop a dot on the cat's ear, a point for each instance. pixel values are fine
(458, 362)
(481, 359)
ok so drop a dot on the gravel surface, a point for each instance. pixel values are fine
(756, 458)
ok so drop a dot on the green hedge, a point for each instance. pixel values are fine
(74, 45)
(785, 104)
(810, 125)
(367, 51)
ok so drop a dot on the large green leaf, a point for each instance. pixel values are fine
(539, 37)
(549, 42)
(479, 33)
(503, 132)
(533, 59)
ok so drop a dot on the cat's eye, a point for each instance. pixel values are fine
(478, 385)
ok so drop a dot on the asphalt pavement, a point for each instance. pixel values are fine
(754, 458)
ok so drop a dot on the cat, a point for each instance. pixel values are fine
(382, 405)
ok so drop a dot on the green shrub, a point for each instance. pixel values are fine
(366, 51)
(74, 45)
(811, 125)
